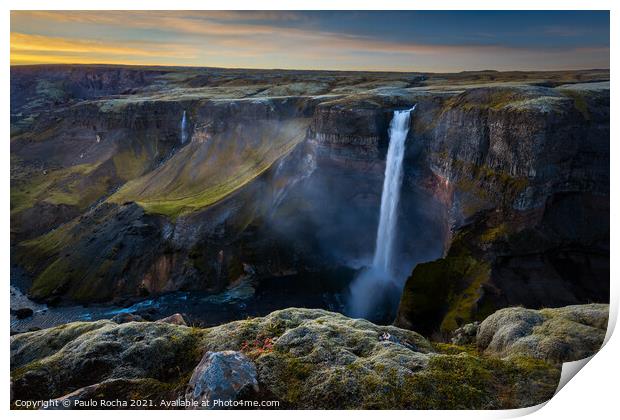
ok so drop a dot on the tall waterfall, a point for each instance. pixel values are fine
(184, 128)
(376, 285)
(386, 233)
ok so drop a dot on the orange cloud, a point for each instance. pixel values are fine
(26, 48)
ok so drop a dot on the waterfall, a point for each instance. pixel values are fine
(386, 233)
(376, 285)
(184, 128)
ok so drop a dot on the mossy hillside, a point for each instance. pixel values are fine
(60, 186)
(444, 292)
(101, 255)
(130, 164)
(316, 359)
(34, 255)
(204, 172)
(465, 381)
(26, 348)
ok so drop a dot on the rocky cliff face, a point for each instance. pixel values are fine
(526, 172)
(283, 172)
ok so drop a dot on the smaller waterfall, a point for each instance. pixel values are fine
(184, 128)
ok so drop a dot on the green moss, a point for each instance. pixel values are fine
(494, 99)
(453, 382)
(57, 275)
(129, 164)
(453, 349)
(462, 304)
(234, 159)
(483, 186)
(210, 195)
(68, 186)
(465, 381)
(444, 292)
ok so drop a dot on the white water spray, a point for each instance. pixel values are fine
(184, 128)
(373, 285)
(386, 233)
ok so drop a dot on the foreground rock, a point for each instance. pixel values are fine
(222, 375)
(302, 358)
(555, 335)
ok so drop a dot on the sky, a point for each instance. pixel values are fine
(441, 41)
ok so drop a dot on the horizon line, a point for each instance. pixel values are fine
(308, 69)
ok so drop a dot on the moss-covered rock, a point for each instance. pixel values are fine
(554, 335)
(135, 350)
(304, 358)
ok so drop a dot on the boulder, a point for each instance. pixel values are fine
(222, 375)
(56, 361)
(176, 319)
(554, 335)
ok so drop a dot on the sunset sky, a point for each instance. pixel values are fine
(349, 40)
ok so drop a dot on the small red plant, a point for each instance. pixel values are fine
(258, 346)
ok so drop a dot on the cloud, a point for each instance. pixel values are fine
(248, 39)
(26, 48)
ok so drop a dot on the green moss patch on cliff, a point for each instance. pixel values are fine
(59, 186)
(444, 292)
(443, 295)
(130, 164)
(210, 169)
(109, 251)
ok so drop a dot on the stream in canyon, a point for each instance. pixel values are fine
(246, 298)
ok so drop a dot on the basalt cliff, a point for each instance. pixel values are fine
(131, 182)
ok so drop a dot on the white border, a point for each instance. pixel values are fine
(593, 394)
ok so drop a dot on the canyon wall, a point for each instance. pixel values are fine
(509, 184)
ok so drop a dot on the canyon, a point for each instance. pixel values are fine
(133, 182)
(138, 193)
